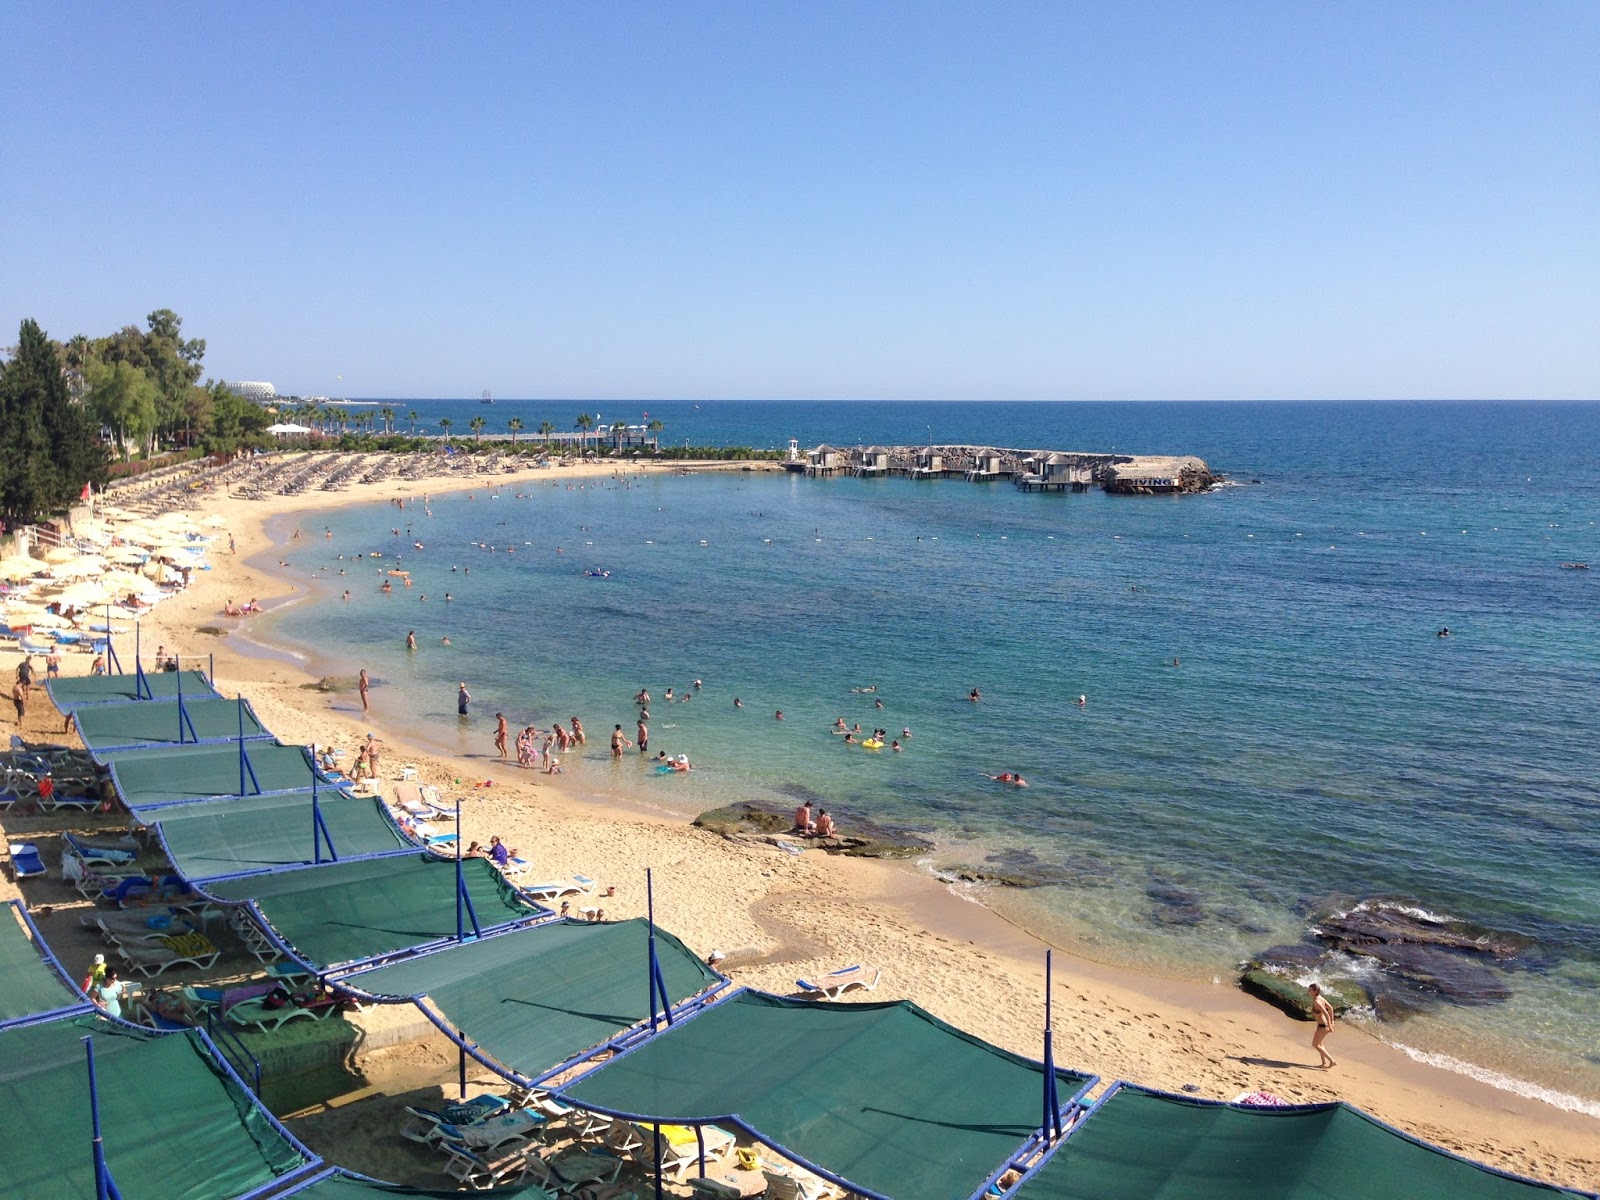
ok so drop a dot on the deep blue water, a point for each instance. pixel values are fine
(1318, 743)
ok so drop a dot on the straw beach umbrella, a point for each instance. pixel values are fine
(18, 567)
(80, 567)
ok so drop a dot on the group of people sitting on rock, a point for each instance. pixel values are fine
(820, 825)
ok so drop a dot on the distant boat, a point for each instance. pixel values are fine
(486, 398)
(1574, 566)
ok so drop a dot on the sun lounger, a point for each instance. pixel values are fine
(836, 983)
(490, 1133)
(91, 882)
(139, 890)
(257, 1014)
(25, 860)
(481, 1172)
(578, 885)
(102, 853)
(199, 1000)
(424, 1124)
(133, 926)
(680, 1145)
(194, 950)
(802, 1185)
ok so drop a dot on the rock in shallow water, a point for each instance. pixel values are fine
(1294, 999)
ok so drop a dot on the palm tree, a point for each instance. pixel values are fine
(545, 430)
(412, 417)
(476, 425)
(584, 423)
(388, 418)
(514, 424)
(619, 430)
(444, 424)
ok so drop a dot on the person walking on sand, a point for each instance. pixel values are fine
(362, 684)
(463, 698)
(500, 731)
(618, 741)
(1323, 1012)
(644, 737)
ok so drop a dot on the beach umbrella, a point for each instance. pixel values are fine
(34, 615)
(18, 567)
(126, 554)
(215, 521)
(86, 594)
(80, 567)
(61, 554)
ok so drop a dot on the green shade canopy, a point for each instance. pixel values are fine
(885, 1096)
(1158, 1147)
(174, 1124)
(72, 692)
(155, 722)
(340, 1185)
(165, 774)
(535, 998)
(29, 985)
(349, 911)
(249, 833)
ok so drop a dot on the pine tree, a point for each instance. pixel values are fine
(50, 448)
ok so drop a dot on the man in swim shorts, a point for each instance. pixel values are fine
(644, 737)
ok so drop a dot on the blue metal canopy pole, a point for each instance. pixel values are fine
(1052, 1102)
(113, 663)
(657, 1141)
(105, 1187)
(461, 883)
(211, 673)
(140, 684)
(658, 986)
(244, 758)
(183, 711)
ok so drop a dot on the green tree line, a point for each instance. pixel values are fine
(67, 409)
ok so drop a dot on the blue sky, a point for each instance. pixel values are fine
(819, 200)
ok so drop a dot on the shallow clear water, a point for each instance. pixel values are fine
(1317, 744)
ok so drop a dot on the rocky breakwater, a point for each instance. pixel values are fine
(1157, 474)
(774, 826)
(1390, 956)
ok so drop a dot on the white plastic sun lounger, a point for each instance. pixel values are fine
(157, 957)
(836, 983)
(578, 885)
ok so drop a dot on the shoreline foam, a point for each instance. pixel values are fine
(783, 917)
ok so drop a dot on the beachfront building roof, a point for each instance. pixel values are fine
(253, 389)
(537, 997)
(174, 1119)
(356, 911)
(1139, 1143)
(884, 1098)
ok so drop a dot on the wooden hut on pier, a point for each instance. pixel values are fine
(930, 464)
(874, 461)
(987, 466)
(824, 460)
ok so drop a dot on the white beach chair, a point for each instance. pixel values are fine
(834, 984)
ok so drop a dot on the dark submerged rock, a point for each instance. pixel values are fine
(857, 836)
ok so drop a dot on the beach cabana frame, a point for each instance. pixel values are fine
(1027, 1187)
(52, 967)
(285, 946)
(1029, 1147)
(356, 981)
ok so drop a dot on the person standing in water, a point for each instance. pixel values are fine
(644, 737)
(618, 741)
(1323, 1012)
(362, 685)
(500, 731)
(463, 698)
(411, 640)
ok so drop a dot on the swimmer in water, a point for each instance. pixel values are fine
(1082, 700)
(974, 695)
(895, 746)
(1008, 777)
(778, 716)
(738, 703)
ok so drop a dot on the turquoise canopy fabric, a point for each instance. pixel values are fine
(29, 986)
(147, 778)
(106, 727)
(1153, 1146)
(350, 911)
(885, 1096)
(211, 838)
(72, 692)
(534, 998)
(174, 1125)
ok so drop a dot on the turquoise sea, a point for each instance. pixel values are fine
(1317, 744)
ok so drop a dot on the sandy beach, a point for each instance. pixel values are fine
(779, 916)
